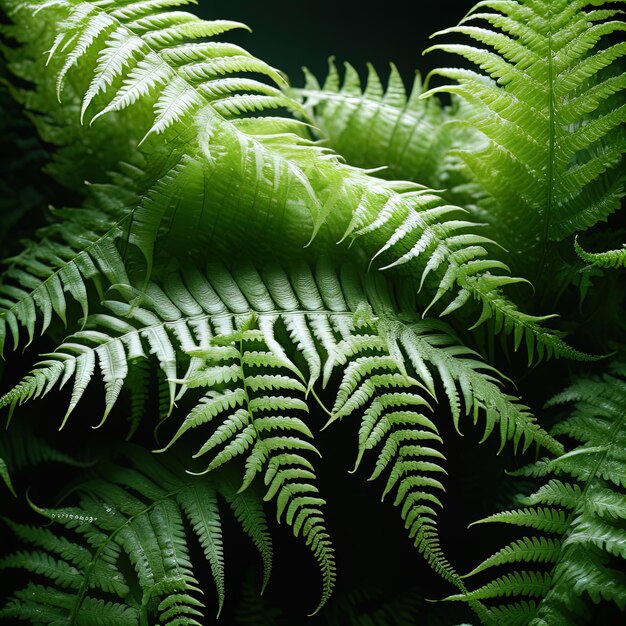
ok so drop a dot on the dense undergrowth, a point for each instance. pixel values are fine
(248, 296)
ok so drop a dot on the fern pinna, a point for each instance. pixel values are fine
(215, 259)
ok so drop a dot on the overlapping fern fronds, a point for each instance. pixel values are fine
(246, 338)
(135, 511)
(144, 55)
(550, 99)
(330, 318)
(408, 137)
(195, 151)
(580, 511)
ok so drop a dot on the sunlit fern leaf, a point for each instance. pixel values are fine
(443, 252)
(393, 346)
(375, 127)
(610, 259)
(582, 505)
(259, 404)
(395, 421)
(553, 112)
(136, 511)
(145, 50)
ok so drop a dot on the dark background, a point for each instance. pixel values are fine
(289, 35)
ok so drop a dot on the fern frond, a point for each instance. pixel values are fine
(409, 138)
(394, 123)
(79, 248)
(610, 259)
(147, 53)
(441, 252)
(394, 421)
(258, 406)
(585, 507)
(134, 511)
(550, 101)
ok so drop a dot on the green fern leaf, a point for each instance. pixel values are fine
(407, 137)
(552, 113)
(133, 512)
(591, 531)
(80, 248)
(611, 259)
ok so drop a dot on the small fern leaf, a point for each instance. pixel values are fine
(610, 259)
(528, 549)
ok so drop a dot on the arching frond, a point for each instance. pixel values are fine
(136, 511)
(204, 94)
(610, 259)
(554, 115)
(321, 319)
(582, 505)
